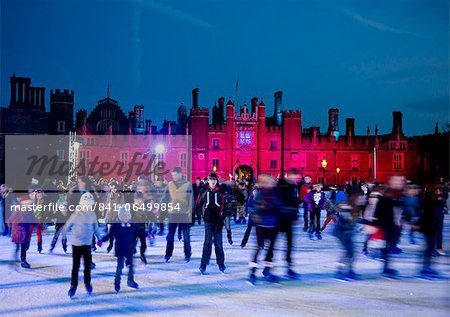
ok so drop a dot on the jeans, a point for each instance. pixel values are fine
(120, 264)
(247, 231)
(287, 227)
(186, 239)
(305, 216)
(213, 231)
(428, 252)
(23, 250)
(264, 233)
(345, 237)
(58, 228)
(78, 252)
(315, 220)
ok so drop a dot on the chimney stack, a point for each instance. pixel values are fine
(350, 127)
(195, 98)
(278, 109)
(397, 117)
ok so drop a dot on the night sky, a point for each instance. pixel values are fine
(368, 58)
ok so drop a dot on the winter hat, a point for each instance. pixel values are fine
(87, 199)
(124, 214)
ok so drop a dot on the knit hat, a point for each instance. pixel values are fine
(124, 214)
(87, 199)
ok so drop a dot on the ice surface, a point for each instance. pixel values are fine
(178, 289)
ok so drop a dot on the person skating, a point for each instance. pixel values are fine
(387, 217)
(179, 198)
(433, 208)
(315, 201)
(251, 210)
(266, 218)
(305, 188)
(20, 221)
(124, 234)
(84, 225)
(212, 202)
(288, 190)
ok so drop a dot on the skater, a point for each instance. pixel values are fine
(304, 189)
(433, 208)
(344, 231)
(197, 189)
(230, 205)
(315, 201)
(84, 225)
(288, 213)
(266, 218)
(212, 203)
(140, 218)
(388, 215)
(178, 198)
(124, 234)
(251, 210)
(21, 219)
(114, 199)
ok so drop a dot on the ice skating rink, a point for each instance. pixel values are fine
(177, 288)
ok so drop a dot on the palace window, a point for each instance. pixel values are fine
(215, 162)
(245, 138)
(273, 164)
(294, 156)
(355, 161)
(303, 161)
(84, 158)
(124, 159)
(398, 161)
(61, 126)
(273, 144)
(183, 160)
(215, 144)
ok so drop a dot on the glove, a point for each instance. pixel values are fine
(100, 243)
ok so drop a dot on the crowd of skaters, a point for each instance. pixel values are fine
(271, 206)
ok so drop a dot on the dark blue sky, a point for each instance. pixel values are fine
(367, 58)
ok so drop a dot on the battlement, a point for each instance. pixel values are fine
(61, 96)
(292, 114)
(58, 92)
(200, 112)
(217, 127)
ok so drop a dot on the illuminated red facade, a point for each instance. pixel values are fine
(246, 141)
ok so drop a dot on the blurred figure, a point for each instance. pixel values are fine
(288, 191)
(266, 218)
(429, 225)
(411, 208)
(251, 210)
(388, 215)
(348, 214)
(230, 205)
(212, 202)
(315, 201)
(369, 220)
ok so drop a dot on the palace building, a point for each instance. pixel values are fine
(246, 141)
